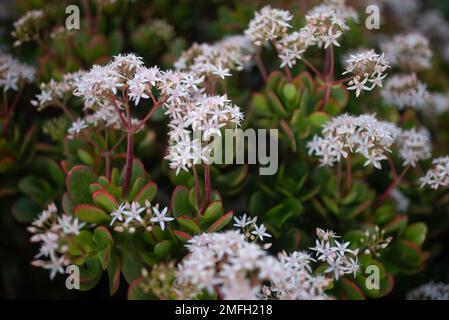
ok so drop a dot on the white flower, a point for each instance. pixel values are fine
(70, 224)
(133, 212)
(244, 221)
(119, 213)
(260, 232)
(438, 176)
(430, 291)
(402, 202)
(56, 265)
(161, 217)
(414, 145)
(291, 47)
(27, 27)
(76, 127)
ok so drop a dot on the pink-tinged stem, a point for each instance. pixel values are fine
(129, 160)
(261, 67)
(348, 174)
(197, 188)
(393, 185)
(311, 67)
(107, 159)
(207, 186)
(330, 74)
(339, 178)
(288, 73)
(392, 167)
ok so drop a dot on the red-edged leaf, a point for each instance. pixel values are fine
(221, 223)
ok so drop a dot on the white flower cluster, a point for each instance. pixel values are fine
(268, 24)
(342, 11)
(348, 134)
(411, 52)
(430, 291)
(27, 27)
(237, 269)
(438, 176)
(414, 145)
(439, 102)
(324, 28)
(404, 91)
(12, 73)
(368, 69)
(340, 258)
(56, 93)
(374, 240)
(193, 122)
(219, 58)
(131, 216)
(53, 232)
(292, 46)
(250, 229)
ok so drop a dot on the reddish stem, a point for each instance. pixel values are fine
(129, 160)
(348, 174)
(197, 188)
(393, 185)
(261, 67)
(207, 185)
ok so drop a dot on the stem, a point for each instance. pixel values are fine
(107, 159)
(88, 10)
(392, 167)
(348, 174)
(326, 96)
(129, 160)
(261, 67)
(207, 186)
(339, 178)
(393, 185)
(288, 72)
(311, 67)
(330, 74)
(197, 188)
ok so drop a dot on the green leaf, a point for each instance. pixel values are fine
(276, 104)
(162, 249)
(105, 200)
(114, 273)
(213, 211)
(184, 237)
(180, 204)
(188, 223)
(78, 180)
(221, 223)
(85, 157)
(318, 119)
(91, 214)
(148, 192)
(415, 233)
(103, 237)
(25, 210)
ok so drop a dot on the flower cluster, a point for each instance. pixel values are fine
(54, 233)
(430, 291)
(347, 134)
(268, 25)
(131, 216)
(439, 102)
(438, 176)
(219, 58)
(27, 28)
(339, 7)
(292, 46)
(411, 52)
(193, 123)
(324, 28)
(233, 268)
(13, 73)
(368, 69)
(340, 258)
(56, 93)
(414, 145)
(374, 241)
(404, 91)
